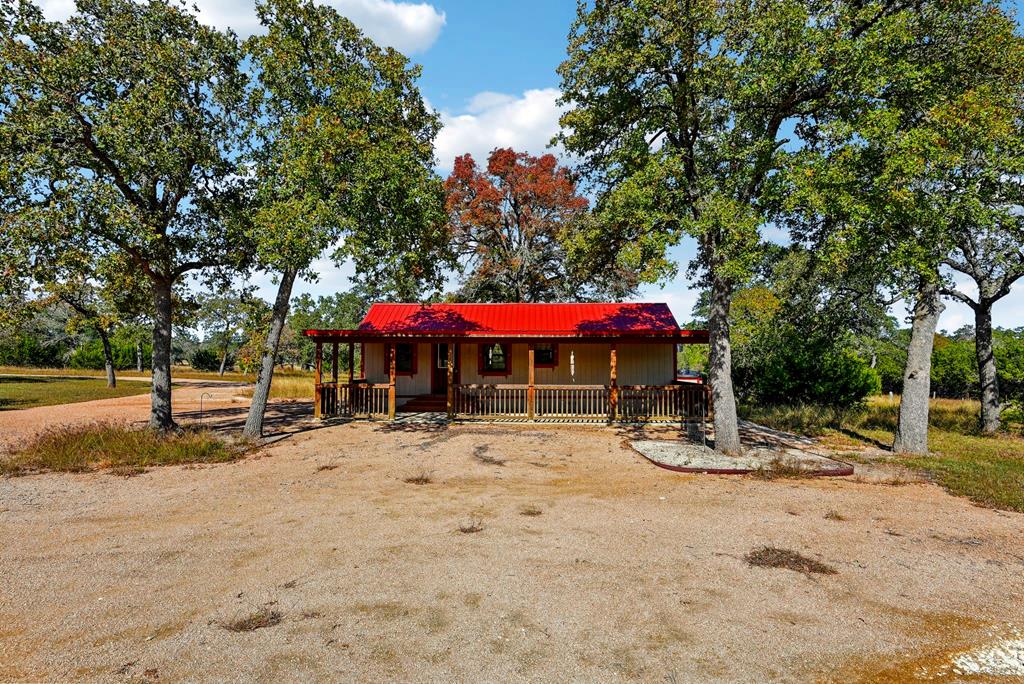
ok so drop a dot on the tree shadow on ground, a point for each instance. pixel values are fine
(281, 421)
(853, 434)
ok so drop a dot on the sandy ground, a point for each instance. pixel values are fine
(629, 572)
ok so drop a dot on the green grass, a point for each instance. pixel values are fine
(117, 448)
(26, 392)
(988, 470)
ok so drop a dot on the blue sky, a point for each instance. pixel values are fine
(489, 69)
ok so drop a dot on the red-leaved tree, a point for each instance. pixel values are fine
(519, 227)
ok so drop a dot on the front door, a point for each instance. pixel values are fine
(439, 364)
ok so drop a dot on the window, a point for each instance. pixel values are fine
(495, 359)
(545, 355)
(405, 359)
(442, 356)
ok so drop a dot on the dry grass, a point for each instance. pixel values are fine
(832, 514)
(472, 526)
(771, 557)
(288, 387)
(530, 511)
(420, 478)
(118, 448)
(263, 617)
(782, 469)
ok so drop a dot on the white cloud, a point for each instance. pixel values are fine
(525, 123)
(406, 26)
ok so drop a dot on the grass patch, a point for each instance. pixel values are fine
(24, 392)
(473, 526)
(420, 478)
(288, 387)
(782, 469)
(119, 448)
(530, 511)
(833, 514)
(989, 470)
(264, 617)
(771, 557)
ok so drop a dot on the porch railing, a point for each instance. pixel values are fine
(632, 403)
(572, 401)
(338, 399)
(487, 401)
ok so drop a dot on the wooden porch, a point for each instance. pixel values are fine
(356, 398)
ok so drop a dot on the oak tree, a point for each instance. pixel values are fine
(129, 111)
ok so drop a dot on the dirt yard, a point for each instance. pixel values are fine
(589, 564)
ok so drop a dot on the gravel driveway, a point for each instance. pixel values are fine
(591, 565)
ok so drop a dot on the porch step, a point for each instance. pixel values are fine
(427, 403)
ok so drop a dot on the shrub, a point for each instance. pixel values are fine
(205, 359)
(90, 355)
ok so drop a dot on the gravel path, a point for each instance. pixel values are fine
(591, 565)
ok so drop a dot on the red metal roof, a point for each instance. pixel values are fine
(516, 320)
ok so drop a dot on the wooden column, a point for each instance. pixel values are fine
(335, 393)
(531, 397)
(318, 366)
(351, 378)
(451, 380)
(613, 371)
(391, 382)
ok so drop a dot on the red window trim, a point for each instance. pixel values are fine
(554, 363)
(480, 360)
(415, 359)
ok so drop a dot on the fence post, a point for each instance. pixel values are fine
(391, 382)
(351, 378)
(318, 363)
(531, 396)
(613, 394)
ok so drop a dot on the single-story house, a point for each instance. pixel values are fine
(605, 361)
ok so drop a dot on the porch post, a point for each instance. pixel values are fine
(334, 362)
(451, 381)
(531, 397)
(391, 382)
(613, 395)
(318, 362)
(351, 378)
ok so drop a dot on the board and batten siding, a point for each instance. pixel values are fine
(405, 386)
(646, 363)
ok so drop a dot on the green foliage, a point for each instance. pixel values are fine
(89, 354)
(342, 147)
(205, 359)
(342, 310)
(954, 368)
(30, 349)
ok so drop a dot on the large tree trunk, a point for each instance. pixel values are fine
(727, 435)
(160, 416)
(108, 357)
(987, 374)
(912, 428)
(254, 423)
(223, 361)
